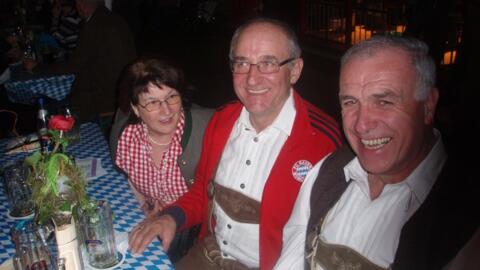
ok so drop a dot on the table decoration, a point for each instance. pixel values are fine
(111, 186)
(58, 189)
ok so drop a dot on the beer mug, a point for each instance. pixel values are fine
(18, 191)
(31, 246)
(98, 234)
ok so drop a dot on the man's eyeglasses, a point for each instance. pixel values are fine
(265, 67)
(155, 105)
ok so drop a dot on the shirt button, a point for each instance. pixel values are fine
(242, 185)
(248, 162)
(229, 226)
(184, 162)
(255, 139)
(224, 242)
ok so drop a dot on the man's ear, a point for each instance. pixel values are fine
(296, 70)
(431, 106)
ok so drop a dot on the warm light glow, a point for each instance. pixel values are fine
(449, 57)
(360, 34)
(400, 28)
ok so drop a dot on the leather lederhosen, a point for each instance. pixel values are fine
(328, 188)
(322, 255)
(206, 254)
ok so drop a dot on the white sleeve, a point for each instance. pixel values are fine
(294, 232)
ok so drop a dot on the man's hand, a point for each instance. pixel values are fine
(143, 234)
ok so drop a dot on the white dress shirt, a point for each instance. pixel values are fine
(244, 167)
(372, 228)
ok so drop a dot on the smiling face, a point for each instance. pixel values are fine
(389, 130)
(263, 95)
(163, 121)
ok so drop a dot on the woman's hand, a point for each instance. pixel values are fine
(152, 209)
(144, 233)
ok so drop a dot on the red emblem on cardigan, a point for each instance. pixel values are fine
(300, 169)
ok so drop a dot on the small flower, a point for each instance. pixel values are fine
(61, 123)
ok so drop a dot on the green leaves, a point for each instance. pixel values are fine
(33, 160)
(58, 137)
(54, 166)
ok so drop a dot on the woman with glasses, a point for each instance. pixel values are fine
(161, 138)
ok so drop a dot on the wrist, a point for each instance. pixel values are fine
(176, 214)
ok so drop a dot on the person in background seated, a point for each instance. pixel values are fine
(105, 47)
(156, 138)
(396, 201)
(65, 25)
(255, 155)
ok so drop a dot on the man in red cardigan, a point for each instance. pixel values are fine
(256, 153)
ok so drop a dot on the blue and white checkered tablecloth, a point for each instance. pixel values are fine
(112, 187)
(24, 91)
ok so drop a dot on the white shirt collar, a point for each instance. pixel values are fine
(420, 181)
(284, 120)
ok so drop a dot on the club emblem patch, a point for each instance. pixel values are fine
(300, 169)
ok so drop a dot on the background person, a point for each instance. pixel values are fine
(255, 155)
(65, 26)
(105, 47)
(160, 140)
(404, 203)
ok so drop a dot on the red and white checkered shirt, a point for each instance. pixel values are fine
(165, 182)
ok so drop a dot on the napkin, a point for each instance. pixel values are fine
(91, 167)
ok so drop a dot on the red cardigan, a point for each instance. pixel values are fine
(313, 136)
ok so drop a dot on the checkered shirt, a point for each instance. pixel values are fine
(163, 182)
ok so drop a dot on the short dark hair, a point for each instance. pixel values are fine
(145, 70)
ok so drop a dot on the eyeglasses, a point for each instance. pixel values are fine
(265, 67)
(155, 105)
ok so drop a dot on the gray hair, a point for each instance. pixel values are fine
(418, 51)
(294, 47)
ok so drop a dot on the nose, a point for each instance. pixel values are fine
(365, 120)
(165, 108)
(253, 75)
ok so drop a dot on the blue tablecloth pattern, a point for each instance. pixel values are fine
(24, 91)
(113, 187)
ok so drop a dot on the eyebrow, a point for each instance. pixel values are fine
(343, 97)
(384, 94)
(166, 96)
(261, 58)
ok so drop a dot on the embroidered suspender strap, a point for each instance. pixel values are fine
(238, 207)
(332, 256)
(210, 195)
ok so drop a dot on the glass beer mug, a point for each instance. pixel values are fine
(31, 248)
(18, 191)
(98, 234)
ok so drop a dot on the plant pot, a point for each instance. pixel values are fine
(68, 249)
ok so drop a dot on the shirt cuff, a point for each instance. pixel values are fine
(177, 214)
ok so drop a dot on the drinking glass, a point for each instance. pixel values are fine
(18, 191)
(99, 236)
(31, 246)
